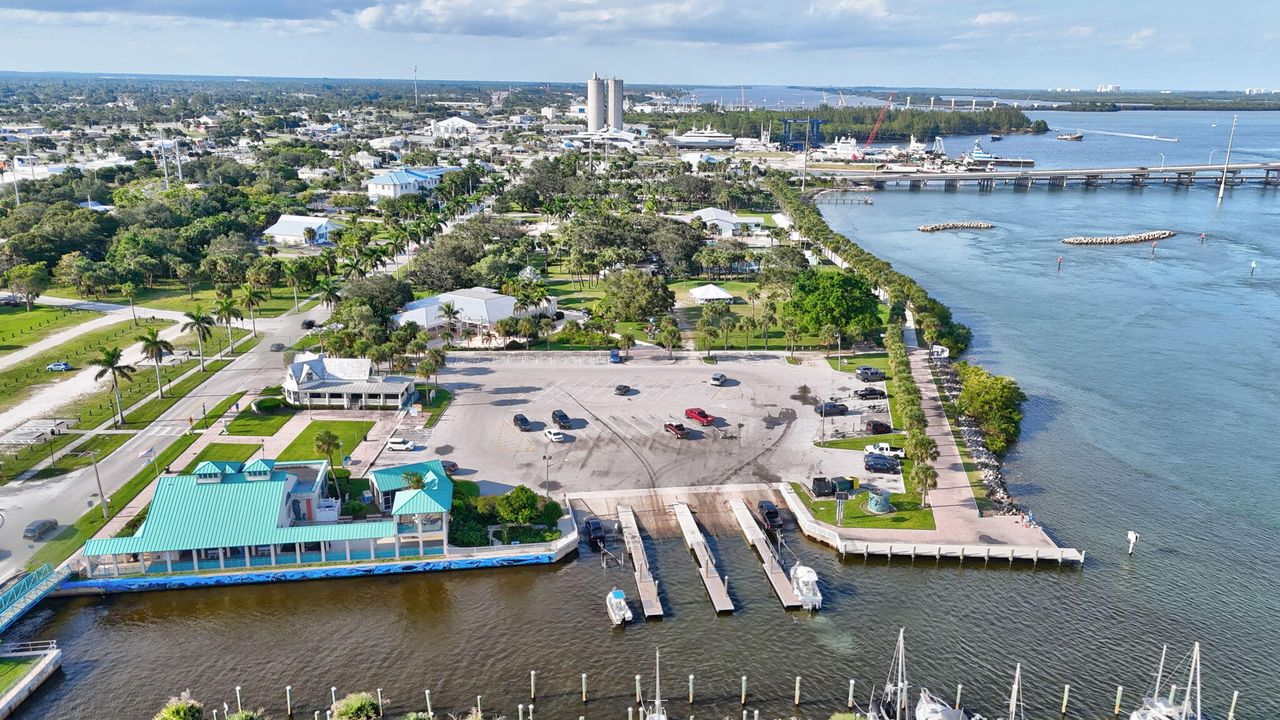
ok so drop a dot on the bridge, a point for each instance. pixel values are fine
(28, 591)
(1236, 174)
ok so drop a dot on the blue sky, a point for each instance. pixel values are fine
(1174, 44)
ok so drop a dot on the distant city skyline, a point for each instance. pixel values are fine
(1176, 45)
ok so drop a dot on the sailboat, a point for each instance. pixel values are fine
(1158, 707)
(892, 703)
(657, 712)
(930, 707)
(1015, 696)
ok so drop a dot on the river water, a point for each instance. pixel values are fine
(1153, 406)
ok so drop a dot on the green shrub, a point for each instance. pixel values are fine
(356, 706)
(467, 533)
(267, 405)
(551, 513)
(181, 708)
(354, 508)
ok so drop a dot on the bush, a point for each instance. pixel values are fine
(267, 405)
(551, 513)
(519, 506)
(356, 706)
(181, 708)
(486, 509)
(354, 508)
(249, 715)
(467, 533)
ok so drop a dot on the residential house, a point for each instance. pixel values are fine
(725, 223)
(477, 307)
(292, 230)
(406, 181)
(313, 380)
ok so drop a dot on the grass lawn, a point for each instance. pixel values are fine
(218, 411)
(350, 432)
(172, 295)
(13, 669)
(94, 409)
(439, 403)
(19, 328)
(570, 295)
(71, 538)
(14, 464)
(466, 488)
(216, 343)
(223, 452)
(249, 422)
(147, 413)
(766, 218)
(100, 445)
(862, 442)
(20, 380)
(908, 514)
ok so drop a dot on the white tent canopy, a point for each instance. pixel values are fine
(710, 293)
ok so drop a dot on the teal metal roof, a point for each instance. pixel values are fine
(391, 479)
(187, 514)
(416, 502)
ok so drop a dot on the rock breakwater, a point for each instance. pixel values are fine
(1151, 236)
(960, 225)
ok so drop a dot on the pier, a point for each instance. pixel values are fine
(645, 584)
(717, 590)
(1267, 174)
(772, 569)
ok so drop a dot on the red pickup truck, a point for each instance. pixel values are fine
(699, 416)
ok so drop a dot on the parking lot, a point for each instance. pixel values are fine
(764, 430)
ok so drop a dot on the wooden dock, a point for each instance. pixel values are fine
(717, 590)
(645, 584)
(772, 569)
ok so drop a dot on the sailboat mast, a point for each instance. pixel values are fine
(657, 683)
(901, 704)
(1013, 693)
(1193, 684)
(1164, 650)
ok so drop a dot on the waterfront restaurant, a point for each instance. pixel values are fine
(228, 516)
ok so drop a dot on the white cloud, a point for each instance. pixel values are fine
(144, 21)
(1081, 31)
(999, 17)
(1140, 38)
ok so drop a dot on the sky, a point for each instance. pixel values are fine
(1139, 44)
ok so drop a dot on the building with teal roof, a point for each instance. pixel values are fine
(385, 483)
(266, 513)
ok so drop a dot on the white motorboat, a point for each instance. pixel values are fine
(804, 581)
(615, 603)
(1158, 706)
(930, 707)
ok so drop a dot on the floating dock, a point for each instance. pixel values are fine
(772, 570)
(716, 588)
(645, 584)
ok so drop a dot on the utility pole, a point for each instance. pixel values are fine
(177, 157)
(102, 497)
(415, 88)
(30, 165)
(17, 199)
(1222, 187)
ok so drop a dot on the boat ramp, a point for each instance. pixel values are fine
(772, 569)
(717, 589)
(645, 583)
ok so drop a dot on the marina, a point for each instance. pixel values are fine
(769, 560)
(717, 588)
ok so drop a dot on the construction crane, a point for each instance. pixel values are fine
(879, 119)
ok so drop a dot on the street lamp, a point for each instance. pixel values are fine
(102, 497)
(1211, 152)
(1161, 162)
(546, 484)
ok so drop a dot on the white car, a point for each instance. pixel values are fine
(553, 435)
(400, 444)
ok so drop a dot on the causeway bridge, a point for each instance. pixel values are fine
(1236, 174)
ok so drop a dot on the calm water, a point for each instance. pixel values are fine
(1153, 407)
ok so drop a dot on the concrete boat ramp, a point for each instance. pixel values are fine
(772, 568)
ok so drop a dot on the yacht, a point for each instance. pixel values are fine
(844, 148)
(804, 581)
(615, 603)
(1158, 706)
(978, 154)
(706, 138)
(1074, 137)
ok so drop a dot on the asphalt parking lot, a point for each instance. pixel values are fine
(764, 431)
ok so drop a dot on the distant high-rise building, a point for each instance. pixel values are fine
(615, 104)
(1108, 88)
(595, 103)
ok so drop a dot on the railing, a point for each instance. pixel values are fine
(35, 647)
(16, 593)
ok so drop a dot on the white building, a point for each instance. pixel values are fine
(406, 181)
(366, 160)
(458, 125)
(725, 223)
(477, 306)
(292, 229)
(1108, 88)
(313, 380)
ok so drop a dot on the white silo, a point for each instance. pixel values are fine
(615, 104)
(595, 103)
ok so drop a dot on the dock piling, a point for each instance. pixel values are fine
(850, 703)
(533, 685)
(1115, 712)
(333, 696)
(959, 687)
(520, 711)
(383, 713)
(429, 713)
(743, 699)
(584, 687)
(1231, 714)
(288, 700)
(530, 711)
(239, 707)
(479, 712)
(1066, 694)
(797, 698)
(639, 697)
(631, 713)
(691, 689)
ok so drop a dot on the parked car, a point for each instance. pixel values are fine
(615, 356)
(884, 448)
(553, 435)
(560, 419)
(870, 393)
(877, 427)
(874, 462)
(278, 347)
(866, 373)
(677, 429)
(58, 367)
(699, 416)
(718, 379)
(399, 443)
(39, 528)
(622, 390)
(450, 467)
(594, 530)
(769, 515)
(522, 423)
(308, 324)
(827, 409)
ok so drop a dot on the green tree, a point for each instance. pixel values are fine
(251, 298)
(154, 348)
(28, 281)
(226, 311)
(635, 295)
(669, 338)
(840, 299)
(923, 478)
(130, 291)
(327, 443)
(414, 479)
(110, 361)
(518, 507)
(327, 289)
(201, 326)
(828, 335)
(792, 335)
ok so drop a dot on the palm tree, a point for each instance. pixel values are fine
(154, 348)
(226, 311)
(752, 296)
(252, 298)
(728, 323)
(828, 335)
(488, 336)
(792, 334)
(414, 480)
(327, 289)
(626, 341)
(327, 443)
(451, 314)
(923, 479)
(767, 319)
(438, 357)
(130, 292)
(747, 326)
(201, 326)
(292, 271)
(110, 360)
(669, 338)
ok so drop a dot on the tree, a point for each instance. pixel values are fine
(357, 706)
(154, 349)
(626, 341)
(327, 443)
(110, 361)
(792, 334)
(28, 281)
(414, 480)
(437, 357)
(669, 338)
(923, 479)
(518, 507)
(201, 326)
(327, 289)
(841, 299)
(384, 295)
(226, 311)
(828, 335)
(293, 272)
(182, 707)
(451, 313)
(252, 298)
(635, 295)
(130, 291)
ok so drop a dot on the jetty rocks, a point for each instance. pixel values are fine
(1121, 239)
(997, 490)
(961, 225)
